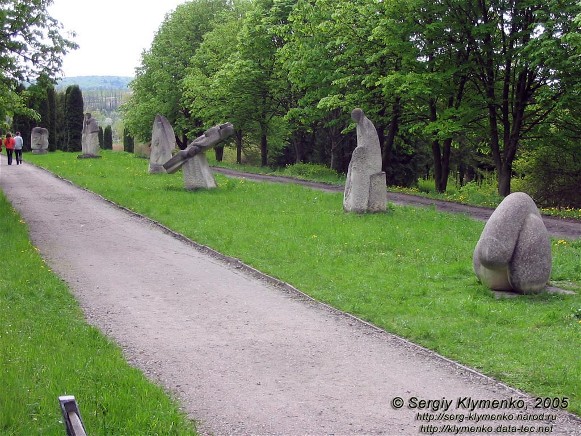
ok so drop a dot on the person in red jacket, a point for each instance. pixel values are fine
(9, 144)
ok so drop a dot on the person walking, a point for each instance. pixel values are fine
(9, 144)
(18, 143)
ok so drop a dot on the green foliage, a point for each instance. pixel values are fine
(100, 137)
(128, 142)
(31, 47)
(553, 175)
(309, 171)
(32, 44)
(157, 86)
(108, 138)
(445, 94)
(74, 118)
(362, 264)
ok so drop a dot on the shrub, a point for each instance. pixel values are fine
(552, 175)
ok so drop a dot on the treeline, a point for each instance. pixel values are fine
(453, 87)
(61, 113)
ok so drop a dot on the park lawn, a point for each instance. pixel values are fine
(47, 350)
(408, 271)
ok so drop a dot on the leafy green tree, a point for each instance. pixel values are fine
(256, 82)
(157, 87)
(74, 117)
(523, 66)
(60, 122)
(205, 95)
(31, 45)
(52, 120)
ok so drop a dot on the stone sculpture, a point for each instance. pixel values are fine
(163, 142)
(197, 172)
(514, 250)
(365, 189)
(39, 140)
(90, 138)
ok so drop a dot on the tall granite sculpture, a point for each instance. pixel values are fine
(197, 172)
(39, 140)
(514, 249)
(365, 189)
(90, 138)
(163, 142)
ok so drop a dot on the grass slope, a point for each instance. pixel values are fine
(47, 350)
(408, 271)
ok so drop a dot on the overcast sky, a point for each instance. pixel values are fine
(111, 34)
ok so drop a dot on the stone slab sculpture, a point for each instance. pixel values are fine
(163, 142)
(514, 249)
(39, 140)
(365, 189)
(197, 172)
(90, 138)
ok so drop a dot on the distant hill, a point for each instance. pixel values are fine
(92, 83)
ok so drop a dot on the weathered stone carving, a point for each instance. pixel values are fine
(197, 172)
(163, 142)
(90, 138)
(39, 140)
(514, 250)
(365, 189)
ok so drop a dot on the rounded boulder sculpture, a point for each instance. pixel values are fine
(514, 249)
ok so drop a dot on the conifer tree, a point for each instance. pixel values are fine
(128, 142)
(74, 117)
(108, 138)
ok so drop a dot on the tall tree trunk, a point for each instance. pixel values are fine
(392, 129)
(263, 148)
(238, 139)
(219, 153)
(441, 156)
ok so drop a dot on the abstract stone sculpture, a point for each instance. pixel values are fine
(365, 189)
(197, 172)
(514, 250)
(39, 140)
(90, 138)
(163, 142)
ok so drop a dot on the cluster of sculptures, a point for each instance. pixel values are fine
(193, 160)
(512, 254)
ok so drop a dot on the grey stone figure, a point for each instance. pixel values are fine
(163, 142)
(90, 138)
(514, 249)
(197, 172)
(39, 140)
(365, 188)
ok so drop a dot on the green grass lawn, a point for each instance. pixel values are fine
(47, 350)
(408, 271)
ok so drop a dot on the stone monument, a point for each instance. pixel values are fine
(39, 140)
(197, 172)
(514, 249)
(90, 138)
(163, 142)
(365, 188)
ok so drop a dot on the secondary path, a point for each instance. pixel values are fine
(566, 228)
(242, 354)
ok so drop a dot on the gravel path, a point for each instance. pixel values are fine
(243, 353)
